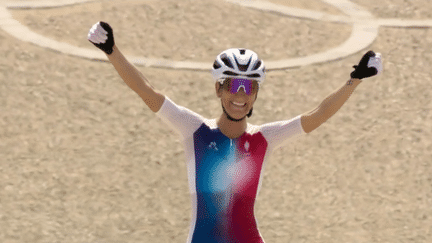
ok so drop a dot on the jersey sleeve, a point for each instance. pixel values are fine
(279, 133)
(182, 120)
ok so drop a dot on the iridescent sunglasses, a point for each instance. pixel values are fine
(234, 85)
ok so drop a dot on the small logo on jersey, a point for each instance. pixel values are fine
(213, 146)
(247, 145)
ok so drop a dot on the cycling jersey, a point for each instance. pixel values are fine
(225, 174)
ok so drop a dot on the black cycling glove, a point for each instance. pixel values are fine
(369, 65)
(101, 35)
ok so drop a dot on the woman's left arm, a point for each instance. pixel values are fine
(370, 65)
(330, 105)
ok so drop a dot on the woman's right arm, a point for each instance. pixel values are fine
(136, 80)
(102, 36)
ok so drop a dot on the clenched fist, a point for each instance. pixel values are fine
(101, 35)
(370, 65)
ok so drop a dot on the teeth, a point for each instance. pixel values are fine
(239, 104)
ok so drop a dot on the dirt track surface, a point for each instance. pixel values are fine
(82, 159)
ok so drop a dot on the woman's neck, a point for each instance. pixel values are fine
(230, 128)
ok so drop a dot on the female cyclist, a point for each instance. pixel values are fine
(225, 156)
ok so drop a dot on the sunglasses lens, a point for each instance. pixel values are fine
(237, 84)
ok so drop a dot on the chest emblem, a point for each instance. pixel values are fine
(246, 146)
(213, 146)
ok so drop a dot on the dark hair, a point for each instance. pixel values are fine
(220, 85)
(250, 112)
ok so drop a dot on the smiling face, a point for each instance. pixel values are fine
(239, 104)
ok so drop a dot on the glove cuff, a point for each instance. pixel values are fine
(355, 74)
(108, 51)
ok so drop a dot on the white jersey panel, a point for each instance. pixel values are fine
(181, 119)
(279, 133)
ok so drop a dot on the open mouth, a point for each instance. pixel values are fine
(238, 105)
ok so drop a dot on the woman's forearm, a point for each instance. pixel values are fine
(136, 80)
(129, 73)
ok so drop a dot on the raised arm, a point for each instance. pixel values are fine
(101, 35)
(370, 65)
(136, 80)
(331, 104)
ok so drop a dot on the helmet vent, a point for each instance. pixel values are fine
(216, 65)
(257, 65)
(230, 73)
(243, 68)
(255, 75)
(226, 60)
(242, 51)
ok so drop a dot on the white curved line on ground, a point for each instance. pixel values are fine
(364, 32)
(43, 4)
(362, 35)
(401, 23)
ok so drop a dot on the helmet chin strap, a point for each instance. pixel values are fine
(233, 119)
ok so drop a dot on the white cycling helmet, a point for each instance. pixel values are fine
(238, 63)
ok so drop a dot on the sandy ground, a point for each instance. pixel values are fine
(82, 159)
